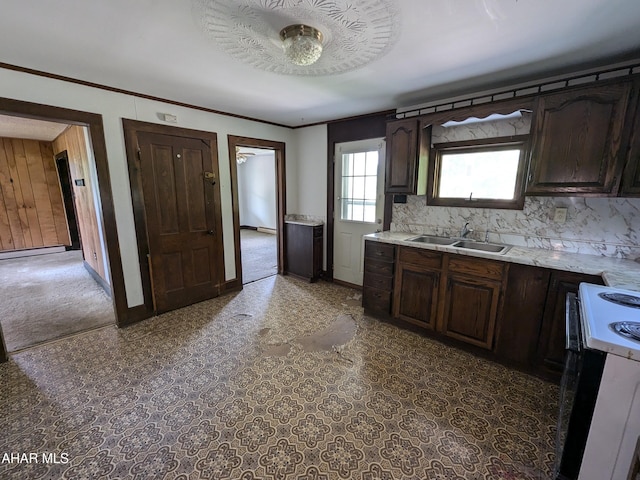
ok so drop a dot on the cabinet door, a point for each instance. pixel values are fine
(577, 141)
(299, 250)
(631, 174)
(522, 311)
(551, 344)
(402, 156)
(416, 295)
(470, 309)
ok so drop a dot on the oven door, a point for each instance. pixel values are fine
(578, 393)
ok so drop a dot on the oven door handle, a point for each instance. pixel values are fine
(572, 323)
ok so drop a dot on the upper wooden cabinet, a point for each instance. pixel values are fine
(631, 176)
(405, 158)
(578, 141)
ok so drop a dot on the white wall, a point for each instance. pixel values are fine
(311, 179)
(257, 191)
(115, 106)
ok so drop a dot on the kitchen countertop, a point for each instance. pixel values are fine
(614, 271)
(305, 222)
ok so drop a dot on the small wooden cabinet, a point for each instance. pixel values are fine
(578, 141)
(379, 260)
(416, 287)
(304, 249)
(405, 158)
(472, 300)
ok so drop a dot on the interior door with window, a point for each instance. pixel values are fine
(359, 204)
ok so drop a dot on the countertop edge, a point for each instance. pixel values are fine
(614, 272)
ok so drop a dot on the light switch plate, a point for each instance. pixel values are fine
(560, 215)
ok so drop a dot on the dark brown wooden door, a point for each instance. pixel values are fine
(179, 178)
(577, 141)
(471, 309)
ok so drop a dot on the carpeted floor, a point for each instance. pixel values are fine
(284, 380)
(45, 297)
(259, 255)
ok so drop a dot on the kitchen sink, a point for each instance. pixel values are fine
(433, 240)
(484, 247)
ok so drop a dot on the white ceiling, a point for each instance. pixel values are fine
(18, 127)
(444, 48)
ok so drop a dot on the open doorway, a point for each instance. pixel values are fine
(258, 183)
(257, 208)
(54, 270)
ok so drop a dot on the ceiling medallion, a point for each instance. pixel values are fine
(352, 33)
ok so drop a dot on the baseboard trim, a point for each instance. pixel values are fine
(30, 252)
(347, 284)
(231, 286)
(96, 276)
(134, 315)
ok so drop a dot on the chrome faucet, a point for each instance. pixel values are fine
(465, 230)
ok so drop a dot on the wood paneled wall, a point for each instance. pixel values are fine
(73, 140)
(31, 208)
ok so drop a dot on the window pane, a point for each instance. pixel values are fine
(347, 165)
(370, 188)
(347, 187)
(372, 163)
(358, 210)
(370, 212)
(358, 188)
(359, 163)
(489, 174)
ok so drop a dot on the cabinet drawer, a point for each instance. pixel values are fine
(420, 257)
(380, 267)
(380, 251)
(382, 282)
(477, 267)
(375, 299)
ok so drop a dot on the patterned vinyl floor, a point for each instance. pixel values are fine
(240, 388)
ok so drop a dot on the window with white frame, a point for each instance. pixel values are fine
(359, 186)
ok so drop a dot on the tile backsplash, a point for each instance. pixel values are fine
(597, 226)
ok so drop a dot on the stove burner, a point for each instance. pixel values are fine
(627, 329)
(621, 299)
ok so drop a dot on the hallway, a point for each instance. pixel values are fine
(45, 297)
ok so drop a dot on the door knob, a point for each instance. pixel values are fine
(211, 232)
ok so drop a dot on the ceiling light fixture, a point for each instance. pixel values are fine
(302, 44)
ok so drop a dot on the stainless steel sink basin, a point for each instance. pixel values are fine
(485, 247)
(433, 240)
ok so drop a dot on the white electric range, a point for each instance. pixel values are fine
(610, 319)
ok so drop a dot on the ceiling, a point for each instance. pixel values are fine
(438, 49)
(18, 127)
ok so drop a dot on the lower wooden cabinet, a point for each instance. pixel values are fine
(416, 289)
(304, 250)
(520, 321)
(515, 311)
(377, 285)
(470, 309)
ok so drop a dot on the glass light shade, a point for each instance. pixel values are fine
(302, 44)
